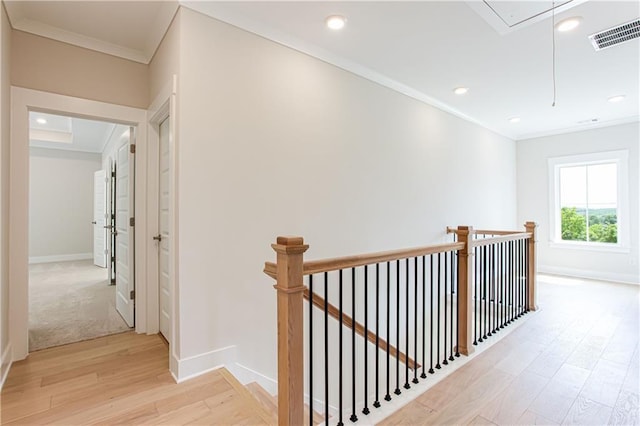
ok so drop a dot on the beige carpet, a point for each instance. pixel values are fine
(70, 302)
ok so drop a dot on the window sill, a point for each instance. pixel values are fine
(601, 247)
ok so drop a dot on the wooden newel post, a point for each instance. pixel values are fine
(290, 252)
(532, 263)
(465, 293)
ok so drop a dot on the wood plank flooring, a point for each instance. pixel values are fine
(120, 379)
(574, 362)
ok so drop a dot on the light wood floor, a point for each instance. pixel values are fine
(120, 379)
(573, 362)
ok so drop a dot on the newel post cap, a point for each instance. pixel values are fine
(290, 245)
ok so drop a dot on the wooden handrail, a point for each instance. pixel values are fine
(338, 263)
(334, 312)
(451, 230)
(494, 240)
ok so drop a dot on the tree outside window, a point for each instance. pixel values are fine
(589, 202)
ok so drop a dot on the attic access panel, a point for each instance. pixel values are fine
(515, 13)
(508, 16)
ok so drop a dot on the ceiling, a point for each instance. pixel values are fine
(70, 133)
(500, 50)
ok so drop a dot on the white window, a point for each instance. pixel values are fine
(588, 200)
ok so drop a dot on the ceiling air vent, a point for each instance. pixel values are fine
(616, 35)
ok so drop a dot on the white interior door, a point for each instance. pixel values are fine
(163, 234)
(125, 175)
(100, 218)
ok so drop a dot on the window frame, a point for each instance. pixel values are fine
(621, 159)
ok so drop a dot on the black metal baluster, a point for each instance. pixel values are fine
(522, 280)
(511, 274)
(340, 349)
(424, 314)
(457, 281)
(438, 319)
(481, 292)
(446, 275)
(397, 391)
(501, 282)
(326, 347)
(476, 253)
(484, 287)
(431, 321)
(490, 291)
(365, 410)
(406, 346)
(387, 397)
(415, 319)
(311, 349)
(353, 417)
(376, 403)
(494, 274)
(526, 274)
(451, 358)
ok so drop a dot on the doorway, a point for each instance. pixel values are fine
(146, 314)
(76, 229)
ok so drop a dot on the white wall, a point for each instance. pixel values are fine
(61, 203)
(533, 200)
(5, 111)
(274, 142)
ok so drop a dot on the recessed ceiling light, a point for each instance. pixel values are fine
(41, 120)
(336, 22)
(617, 98)
(568, 24)
(460, 90)
(514, 120)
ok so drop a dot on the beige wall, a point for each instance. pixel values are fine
(275, 142)
(52, 66)
(5, 110)
(61, 202)
(534, 199)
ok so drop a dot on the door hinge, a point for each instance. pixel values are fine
(132, 295)
(132, 221)
(113, 174)
(132, 148)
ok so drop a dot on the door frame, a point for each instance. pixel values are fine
(22, 102)
(162, 107)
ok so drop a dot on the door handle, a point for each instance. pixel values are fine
(158, 237)
(94, 222)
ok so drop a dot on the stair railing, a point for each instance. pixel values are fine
(434, 303)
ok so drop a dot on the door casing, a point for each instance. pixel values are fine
(25, 100)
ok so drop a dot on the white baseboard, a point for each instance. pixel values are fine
(590, 274)
(60, 258)
(245, 375)
(188, 368)
(5, 364)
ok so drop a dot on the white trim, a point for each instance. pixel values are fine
(163, 106)
(292, 42)
(621, 158)
(55, 33)
(197, 365)
(5, 364)
(589, 246)
(60, 258)
(245, 375)
(589, 274)
(578, 128)
(23, 101)
(154, 36)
